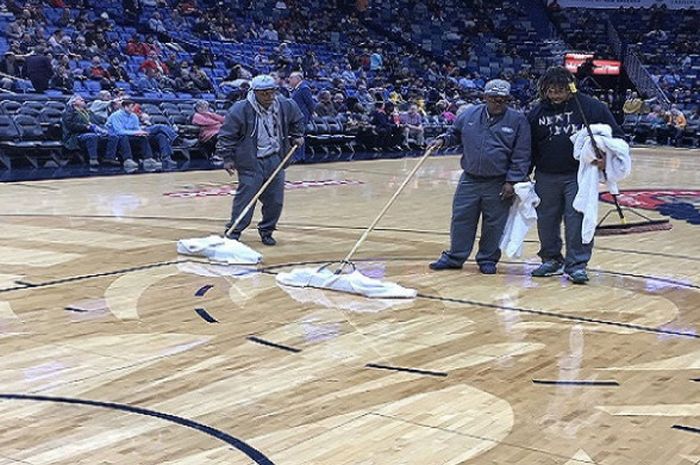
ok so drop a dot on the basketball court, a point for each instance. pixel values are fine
(119, 351)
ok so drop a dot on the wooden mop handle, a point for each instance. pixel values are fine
(262, 189)
(357, 245)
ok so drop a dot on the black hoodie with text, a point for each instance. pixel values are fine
(553, 125)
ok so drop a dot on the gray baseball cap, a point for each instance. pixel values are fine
(497, 87)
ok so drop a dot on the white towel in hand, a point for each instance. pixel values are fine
(617, 167)
(521, 218)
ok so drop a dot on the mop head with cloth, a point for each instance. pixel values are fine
(354, 282)
(219, 249)
(230, 251)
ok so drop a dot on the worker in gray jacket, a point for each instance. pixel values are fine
(495, 141)
(257, 132)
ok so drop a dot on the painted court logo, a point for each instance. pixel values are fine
(679, 204)
(223, 190)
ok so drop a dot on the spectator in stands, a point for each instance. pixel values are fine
(82, 132)
(38, 69)
(491, 168)
(117, 71)
(99, 73)
(101, 107)
(14, 30)
(278, 123)
(125, 122)
(348, 75)
(209, 124)
(154, 62)
(156, 24)
(203, 58)
(339, 103)
(376, 61)
(363, 96)
(260, 60)
(185, 83)
(634, 105)
(114, 51)
(55, 40)
(202, 83)
(61, 80)
(388, 133)
(553, 121)
(676, 123)
(11, 69)
(147, 82)
(134, 47)
(412, 126)
(301, 94)
(325, 105)
(270, 33)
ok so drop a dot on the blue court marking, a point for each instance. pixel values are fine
(255, 455)
(203, 290)
(205, 315)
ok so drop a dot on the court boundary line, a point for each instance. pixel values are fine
(251, 452)
(270, 270)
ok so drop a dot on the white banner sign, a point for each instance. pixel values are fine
(670, 4)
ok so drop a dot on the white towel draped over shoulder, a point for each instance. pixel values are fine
(617, 167)
(521, 218)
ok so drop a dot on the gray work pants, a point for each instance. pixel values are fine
(475, 197)
(249, 183)
(557, 193)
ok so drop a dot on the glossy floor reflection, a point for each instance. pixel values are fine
(120, 351)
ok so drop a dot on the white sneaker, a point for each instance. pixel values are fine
(130, 165)
(150, 165)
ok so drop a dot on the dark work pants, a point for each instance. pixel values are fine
(557, 193)
(249, 183)
(475, 197)
(88, 142)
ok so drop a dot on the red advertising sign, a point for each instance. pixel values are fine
(572, 61)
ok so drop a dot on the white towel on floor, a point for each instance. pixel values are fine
(219, 249)
(521, 218)
(618, 165)
(353, 283)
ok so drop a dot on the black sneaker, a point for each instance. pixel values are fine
(578, 277)
(548, 268)
(268, 240)
(444, 263)
(487, 268)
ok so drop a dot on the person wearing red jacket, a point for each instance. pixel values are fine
(153, 62)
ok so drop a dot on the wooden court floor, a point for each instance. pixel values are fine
(118, 351)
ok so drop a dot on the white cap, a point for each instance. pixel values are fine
(263, 82)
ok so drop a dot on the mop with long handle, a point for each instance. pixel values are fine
(223, 249)
(355, 282)
(346, 261)
(623, 227)
(262, 189)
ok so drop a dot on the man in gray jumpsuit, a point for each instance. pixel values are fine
(495, 141)
(255, 136)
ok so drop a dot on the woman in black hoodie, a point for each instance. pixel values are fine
(553, 120)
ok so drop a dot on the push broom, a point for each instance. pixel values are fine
(623, 227)
(346, 278)
(223, 249)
